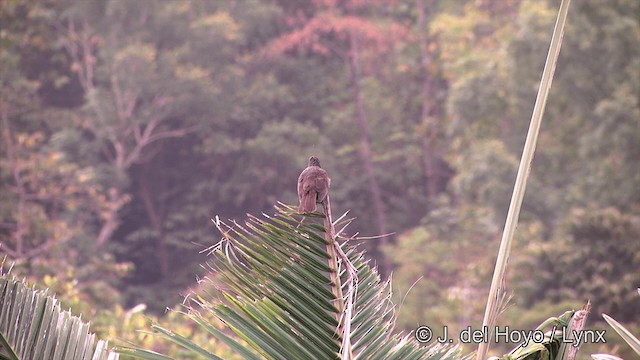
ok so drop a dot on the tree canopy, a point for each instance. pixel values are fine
(128, 125)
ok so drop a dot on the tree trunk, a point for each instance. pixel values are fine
(110, 223)
(155, 217)
(367, 154)
(428, 117)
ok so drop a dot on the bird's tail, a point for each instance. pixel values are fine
(307, 203)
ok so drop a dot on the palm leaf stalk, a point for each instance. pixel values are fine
(344, 304)
(33, 327)
(275, 298)
(496, 293)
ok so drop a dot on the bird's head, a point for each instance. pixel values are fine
(314, 161)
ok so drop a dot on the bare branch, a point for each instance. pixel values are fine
(116, 201)
(143, 141)
(12, 254)
(137, 134)
(89, 58)
(148, 130)
(172, 133)
(107, 229)
(125, 100)
(80, 47)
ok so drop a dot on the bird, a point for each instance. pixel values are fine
(313, 186)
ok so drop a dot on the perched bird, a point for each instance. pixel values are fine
(313, 186)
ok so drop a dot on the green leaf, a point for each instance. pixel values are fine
(624, 333)
(274, 279)
(33, 327)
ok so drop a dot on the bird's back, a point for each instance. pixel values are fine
(313, 187)
(313, 178)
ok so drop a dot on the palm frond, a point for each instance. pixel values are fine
(277, 299)
(552, 344)
(32, 326)
(497, 290)
(626, 335)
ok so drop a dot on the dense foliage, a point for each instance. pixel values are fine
(126, 126)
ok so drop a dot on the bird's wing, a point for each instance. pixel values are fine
(322, 183)
(300, 184)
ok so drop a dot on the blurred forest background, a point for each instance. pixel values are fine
(127, 125)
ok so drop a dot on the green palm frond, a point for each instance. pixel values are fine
(32, 326)
(553, 344)
(277, 298)
(626, 335)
